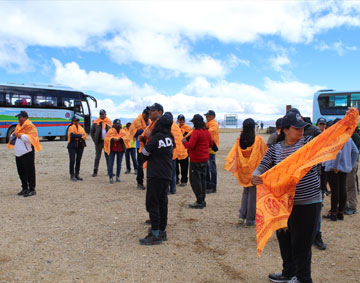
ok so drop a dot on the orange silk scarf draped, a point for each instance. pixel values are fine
(275, 197)
(28, 129)
(180, 151)
(213, 127)
(185, 128)
(105, 122)
(78, 131)
(242, 162)
(113, 134)
(138, 124)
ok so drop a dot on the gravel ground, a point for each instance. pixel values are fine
(88, 231)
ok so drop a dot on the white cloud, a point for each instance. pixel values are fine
(279, 61)
(337, 46)
(13, 56)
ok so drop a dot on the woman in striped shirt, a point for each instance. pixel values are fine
(295, 242)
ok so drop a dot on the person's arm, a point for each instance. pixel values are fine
(24, 138)
(193, 140)
(150, 147)
(266, 163)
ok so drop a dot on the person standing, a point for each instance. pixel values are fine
(182, 165)
(273, 137)
(198, 145)
(211, 174)
(115, 144)
(244, 157)
(25, 141)
(130, 152)
(76, 144)
(158, 154)
(98, 132)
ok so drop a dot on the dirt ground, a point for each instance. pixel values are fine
(88, 231)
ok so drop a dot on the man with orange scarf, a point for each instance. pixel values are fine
(98, 132)
(76, 144)
(25, 140)
(211, 174)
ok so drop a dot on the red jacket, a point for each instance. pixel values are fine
(198, 145)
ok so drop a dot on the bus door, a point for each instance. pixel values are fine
(79, 110)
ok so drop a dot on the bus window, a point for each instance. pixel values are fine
(333, 105)
(2, 99)
(45, 101)
(355, 100)
(68, 102)
(20, 99)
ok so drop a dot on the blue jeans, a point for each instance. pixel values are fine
(173, 181)
(131, 152)
(119, 158)
(211, 173)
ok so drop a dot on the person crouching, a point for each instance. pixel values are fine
(158, 153)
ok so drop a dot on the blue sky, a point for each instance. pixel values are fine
(245, 57)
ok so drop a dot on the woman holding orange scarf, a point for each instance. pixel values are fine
(242, 160)
(76, 144)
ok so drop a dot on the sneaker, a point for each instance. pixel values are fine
(330, 216)
(279, 277)
(318, 242)
(78, 178)
(241, 220)
(140, 187)
(127, 172)
(150, 239)
(111, 180)
(350, 211)
(30, 193)
(249, 225)
(211, 191)
(340, 216)
(22, 192)
(162, 234)
(183, 185)
(73, 178)
(117, 179)
(294, 280)
(197, 205)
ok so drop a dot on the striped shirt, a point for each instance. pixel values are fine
(308, 189)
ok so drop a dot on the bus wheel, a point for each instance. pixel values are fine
(51, 138)
(10, 131)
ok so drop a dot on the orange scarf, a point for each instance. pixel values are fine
(242, 162)
(180, 152)
(113, 134)
(275, 197)
(138, 124)
(146, 134)
(104, 122)
(77, 131)
(213, 127)
(185, 128)
(28, 129)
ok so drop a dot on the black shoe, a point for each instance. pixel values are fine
(150, 239)
(183, 185)
(29, 194)
(78, 178)
(204, 203)
(127, 171)
(117, 179)
(111, 180)
(22, 192)
(95, 173)
(197, 205)
(211, 191)
(73, 178)
(332, 217)
(340, 216)
(140, 186)
(279, 277)
(148, 222)
(318, 242)
(162, 234)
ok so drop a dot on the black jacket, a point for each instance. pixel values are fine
(96, 132)
(158, 152)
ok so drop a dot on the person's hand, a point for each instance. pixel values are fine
(256, 180)
(18, 136)
(184, 140)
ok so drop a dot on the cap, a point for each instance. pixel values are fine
(170, 114)
(102, 111)
(156, 107)
(128, 125)
(249, 123)
(197, 117)
(209, 113)
(181, 116)
(294, 110)
(74, 119)
(116, 122)
(22, 114)
(321, 121)
(166, 120)
(293, 119)
(278, 123)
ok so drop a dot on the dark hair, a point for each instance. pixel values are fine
(281, 136)
(160, 128)
(199, 124)
(247, 137)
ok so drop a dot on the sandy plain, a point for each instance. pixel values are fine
(88, 231)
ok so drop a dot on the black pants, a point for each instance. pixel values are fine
(157, 202)
(140, 170)
(75, 155)
(198, 180)
(295, 242)
(323, 179)
(26, 169)
(184, 169)
(98, 150)
(337, 182)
